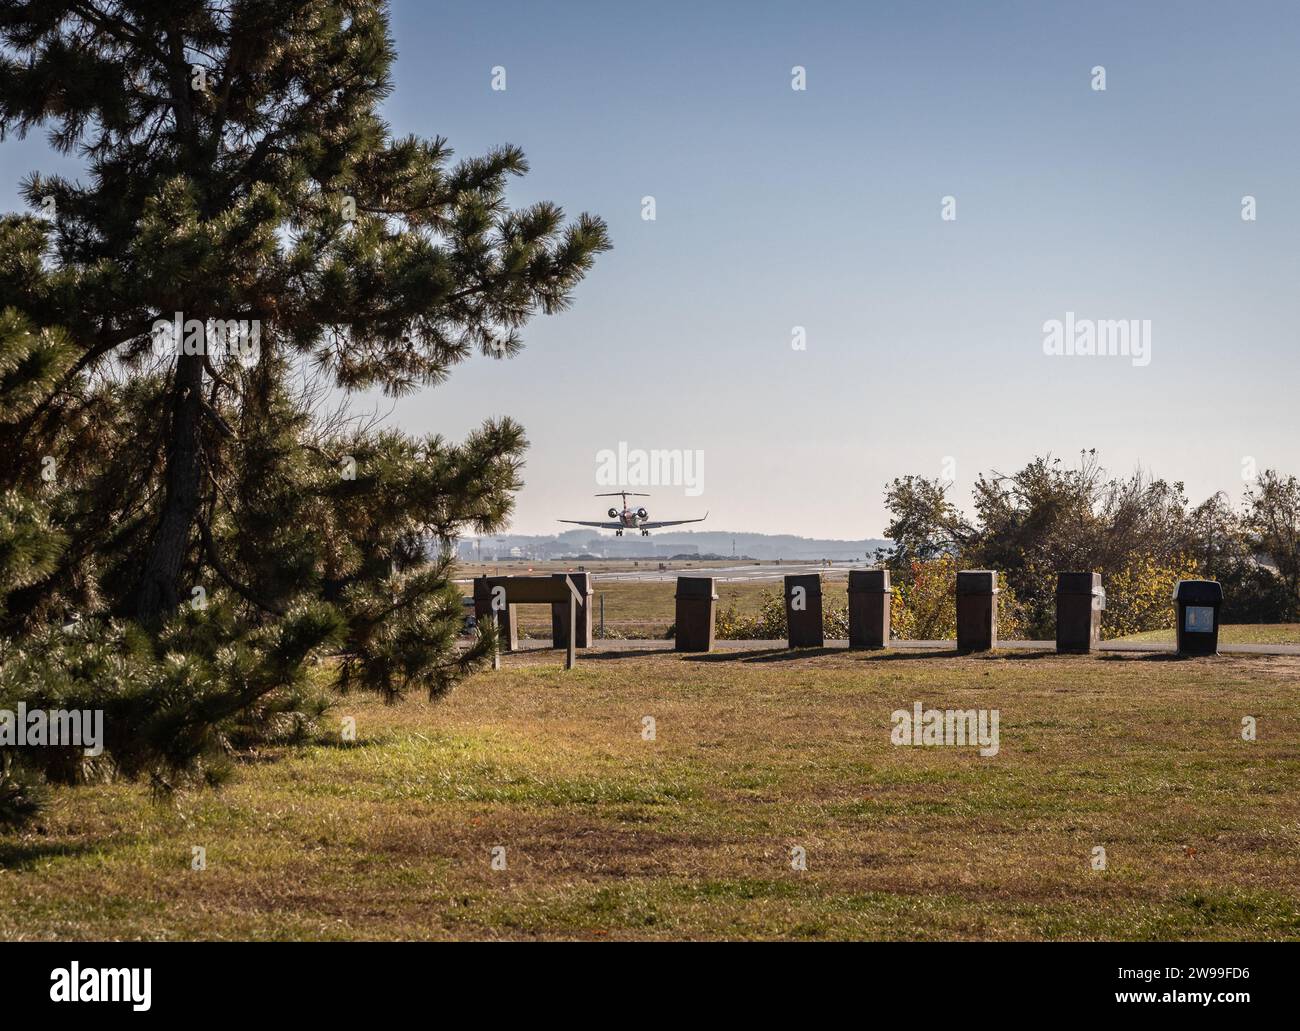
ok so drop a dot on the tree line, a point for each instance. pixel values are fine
(1139, 531)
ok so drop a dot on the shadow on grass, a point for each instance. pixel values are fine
(585, 656)
(913, 654)
(762, 655)
(19, 855)
(1143, 657)
(902, 654)
(332, 740)
(728, 655)
(795, 654)
(1009, 655)
(864, 654)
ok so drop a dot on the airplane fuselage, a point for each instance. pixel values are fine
(629, 518)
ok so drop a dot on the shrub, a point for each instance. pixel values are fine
(769, 624)
(1140, 596)
(924, 606)
(176, 706)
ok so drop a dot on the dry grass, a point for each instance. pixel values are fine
(611, 836)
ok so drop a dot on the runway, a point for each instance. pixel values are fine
(837, 570)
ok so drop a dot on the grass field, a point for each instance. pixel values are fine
(610, 836)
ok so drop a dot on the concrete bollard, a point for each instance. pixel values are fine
(869, 598)
(697, 604)
(1198, 604)
(560, 613)
(803, 610)
(1080, 600)
(977, 610)
(489, 602)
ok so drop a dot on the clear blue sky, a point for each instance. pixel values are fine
(821, 208)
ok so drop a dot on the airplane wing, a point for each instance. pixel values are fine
(600, 526)
(672, 522)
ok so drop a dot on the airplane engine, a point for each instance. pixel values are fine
(641, 513)
(613, 513)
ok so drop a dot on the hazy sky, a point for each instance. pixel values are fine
(821, 208)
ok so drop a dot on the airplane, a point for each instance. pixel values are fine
(631, 519)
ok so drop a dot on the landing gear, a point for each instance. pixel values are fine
(618, 533)
(645, 533)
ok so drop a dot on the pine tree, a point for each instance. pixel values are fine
(30, 364)
(240, 183)
(239, 170)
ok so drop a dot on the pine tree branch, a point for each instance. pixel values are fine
(214, 559)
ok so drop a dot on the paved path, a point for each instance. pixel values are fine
(1149, 647)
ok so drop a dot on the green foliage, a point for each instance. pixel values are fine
(1272, 523)
(1139, 596)
(30, 363)
(175, 706)
(925, 524)
(1138, 532)
(924, 605)
(236, 167)
(22, 796)
(29, 545)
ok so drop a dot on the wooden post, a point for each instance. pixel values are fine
(570, 654)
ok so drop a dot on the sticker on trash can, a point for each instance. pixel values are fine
(1199, 619)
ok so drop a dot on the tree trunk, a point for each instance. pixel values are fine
(157, 594)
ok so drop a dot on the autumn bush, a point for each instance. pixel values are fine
(924, 606)
(768, 623)
(1139, 597)
(1138, 531)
